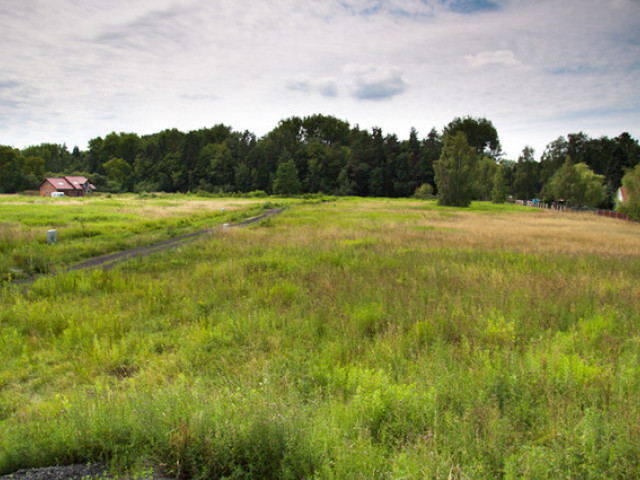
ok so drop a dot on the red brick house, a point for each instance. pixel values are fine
(70, 186)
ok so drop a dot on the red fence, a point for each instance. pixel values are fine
(561, 207)
(612, 214)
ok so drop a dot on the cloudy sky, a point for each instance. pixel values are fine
(71, 70)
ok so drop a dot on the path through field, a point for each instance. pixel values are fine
(110, 260)
(78, 472)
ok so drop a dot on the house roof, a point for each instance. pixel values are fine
(67, 183)
(59, 183)
(77, 182)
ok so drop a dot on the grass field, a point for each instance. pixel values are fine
(87, 227)
(349, 339)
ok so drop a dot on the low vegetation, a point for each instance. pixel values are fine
(343, 339)
(86, 227)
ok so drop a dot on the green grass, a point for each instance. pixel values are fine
(88, 227)
(369, 339)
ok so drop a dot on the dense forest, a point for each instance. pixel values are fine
(322, 153)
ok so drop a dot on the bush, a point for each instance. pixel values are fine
(256, 194)
(424, 192)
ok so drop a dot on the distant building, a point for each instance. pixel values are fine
(70, 186)
(621, 196)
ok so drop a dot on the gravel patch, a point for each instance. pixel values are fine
(92, 471)
(70, 472)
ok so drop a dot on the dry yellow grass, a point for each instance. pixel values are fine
(526, 231)
(152, 210)
(541, 232)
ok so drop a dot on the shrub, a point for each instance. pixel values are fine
(424, 192)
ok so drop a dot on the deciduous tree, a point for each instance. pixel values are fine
(576, 184)
(480, 134)
(499, 190)
(526, 182)
(286, 181)
(455, 171)
(119, 170)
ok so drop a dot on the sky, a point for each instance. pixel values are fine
(72, 70)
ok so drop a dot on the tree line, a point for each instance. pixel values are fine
(321, 153)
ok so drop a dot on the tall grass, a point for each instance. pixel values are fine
(87, 227)
(370, 339)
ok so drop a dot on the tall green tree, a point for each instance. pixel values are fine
(485, 172)
(119, 170)
(430, 151)
(480, 134)
(526, 182)
(286, 181)
(576, 184)
(455, 171)
(553, 157)
(222, 167)
(12, 172)
(499, 190)
(56, 157)
(243, 177)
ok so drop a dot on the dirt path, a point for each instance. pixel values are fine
(110, 260)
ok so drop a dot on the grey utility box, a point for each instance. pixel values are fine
(52, 237)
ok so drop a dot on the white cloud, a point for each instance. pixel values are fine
(71, 70)
(497, 57)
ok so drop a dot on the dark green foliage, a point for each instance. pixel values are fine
(526, 182)
(119, 171)
(286, 181)
(455, 172)
(609, 157)
(485, 172)
(576, 184)
(480, 133)
(13, 174)
(56, 157)
(243, 177)
(430, 152)
(330, 156)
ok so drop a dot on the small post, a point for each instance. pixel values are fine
(225, 227)
(52, 237)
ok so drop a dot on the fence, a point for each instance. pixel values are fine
(612, 214)
(560, 206)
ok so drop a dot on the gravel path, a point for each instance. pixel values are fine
(107, 262)
(71, 472)
(92, 471)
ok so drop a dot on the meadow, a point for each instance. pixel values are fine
(356, 338)
(87, 227)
